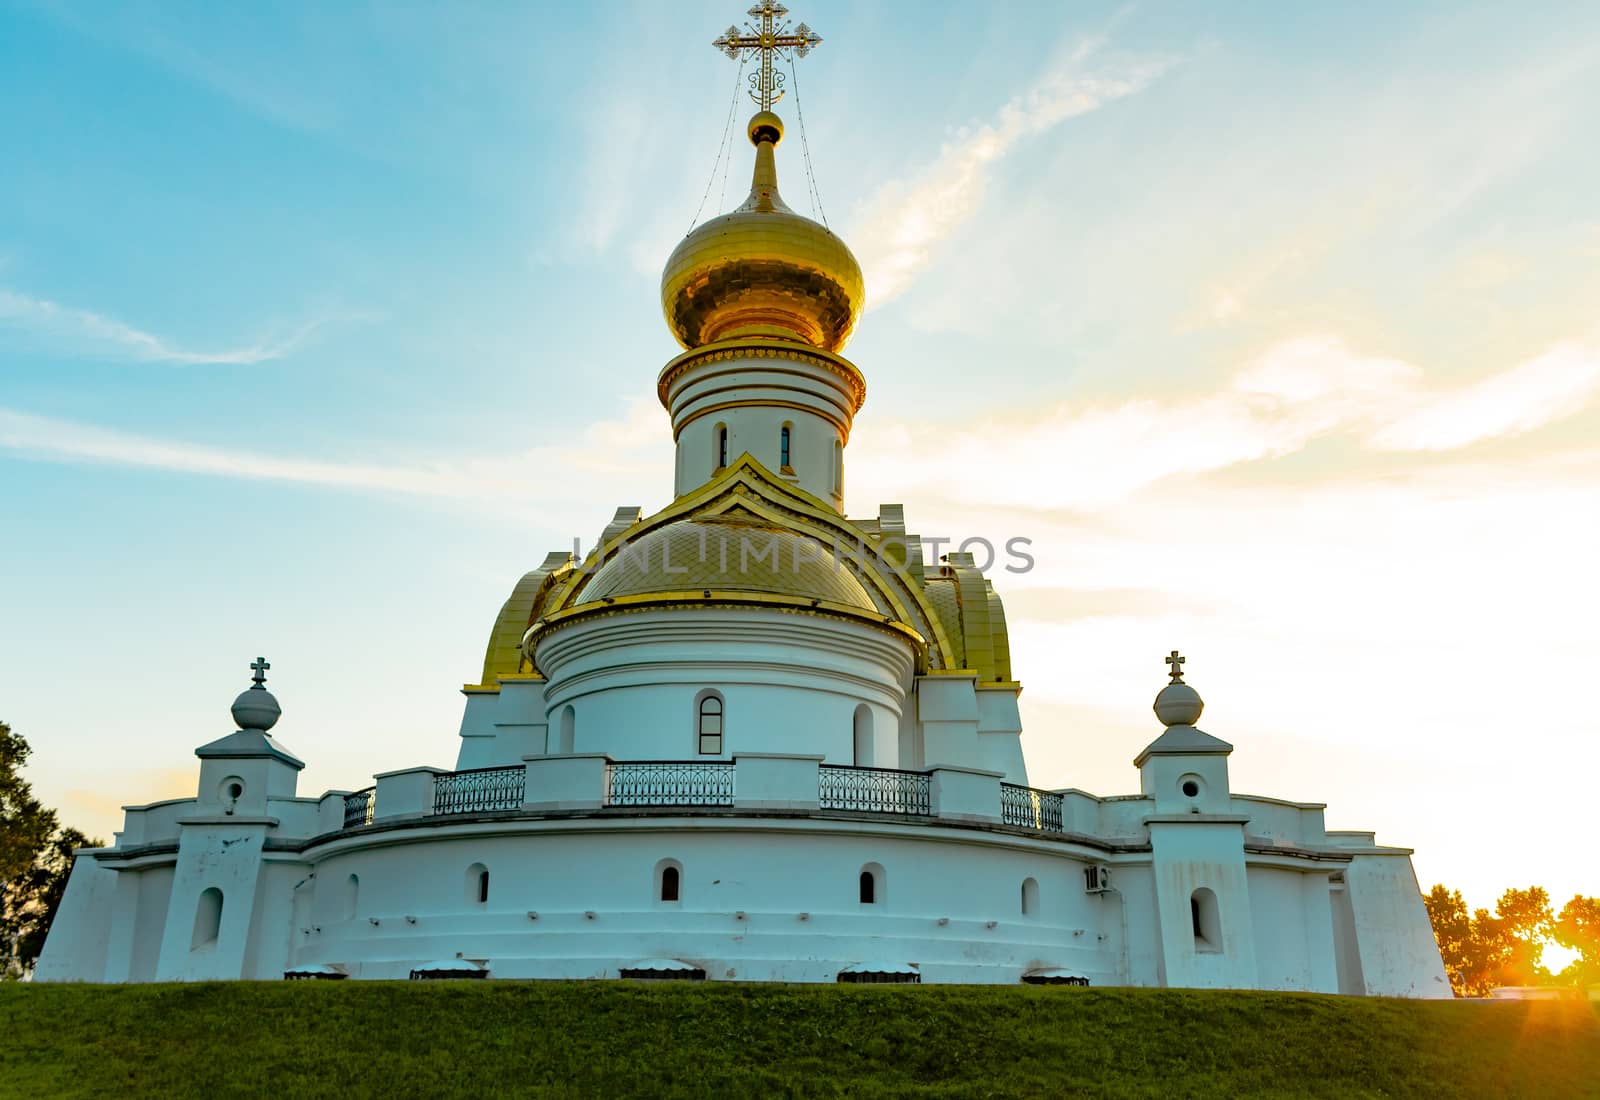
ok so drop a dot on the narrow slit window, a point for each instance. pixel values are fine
(1206, 921)
(722, 447)
(711, 726)
(207, 919)
(477, 884)
(783, 446)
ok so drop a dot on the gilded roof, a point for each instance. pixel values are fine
(504, 654)
(726, 553)
(763, 271)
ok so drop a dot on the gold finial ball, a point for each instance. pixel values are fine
(765, 126)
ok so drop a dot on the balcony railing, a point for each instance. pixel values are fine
(358, 808)
(711, 783)
(1030, 808)
(478, 790)
(670, 783)
(874, 790)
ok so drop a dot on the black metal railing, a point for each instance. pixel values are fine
(1030, 808)
(873, 790)
(358, 808)
(670, 783)
(479, 789)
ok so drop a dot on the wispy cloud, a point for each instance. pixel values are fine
(64, 440)
(906, 218)
(1296, 392)
(1558, 384)
(611, 459)
(82, 330)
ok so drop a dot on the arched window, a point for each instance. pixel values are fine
(838, 468)
(669, 881)
(1206, 919)
(783, 447)
(477, 884)
(352, 896)
(569, 730)
(870, 884)
(722, 446)
(207, 919)
(863, 755)
(710, 724)
(1030, 897)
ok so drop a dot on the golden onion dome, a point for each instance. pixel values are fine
(763, 270)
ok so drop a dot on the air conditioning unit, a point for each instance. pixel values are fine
(1097, 879)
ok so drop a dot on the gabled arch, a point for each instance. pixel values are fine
(747, 486)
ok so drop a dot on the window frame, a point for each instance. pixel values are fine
(704, 711)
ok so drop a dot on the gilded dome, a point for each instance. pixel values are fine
(727, 555)
(763, 270)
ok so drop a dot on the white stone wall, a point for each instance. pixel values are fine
(796, 884)
(1292, 919)
(790, 682)
(79, 941)
(753, 398)
(1399, 957)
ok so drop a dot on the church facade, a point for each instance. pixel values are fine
(747, 738)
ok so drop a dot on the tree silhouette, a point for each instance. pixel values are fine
(25, 826)
(1577, 926)
(1484, 950)
(35, 860)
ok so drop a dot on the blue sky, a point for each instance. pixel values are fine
(1273, 326)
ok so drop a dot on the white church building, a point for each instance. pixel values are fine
(747, 738)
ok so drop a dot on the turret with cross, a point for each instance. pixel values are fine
(771, 34)
(256, 708)
(1178, 704)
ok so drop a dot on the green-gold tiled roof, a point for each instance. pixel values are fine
(727, 555)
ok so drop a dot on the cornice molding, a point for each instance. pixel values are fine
(724, 350)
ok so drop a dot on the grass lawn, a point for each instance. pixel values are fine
(615, 1039)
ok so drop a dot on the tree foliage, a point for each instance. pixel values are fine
(1577, 927)
(35, 860)
(1482, 950)
(25, 826)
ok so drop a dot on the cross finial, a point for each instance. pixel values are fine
(1176, 664)
(260, 666)
(771, 34)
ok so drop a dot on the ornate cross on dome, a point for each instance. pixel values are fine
(1176, 662)
(773, 36)
(260, 666)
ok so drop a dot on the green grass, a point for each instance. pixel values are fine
(616, 1039)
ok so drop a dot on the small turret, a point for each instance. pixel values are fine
(1185, 769)
(241, 771)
